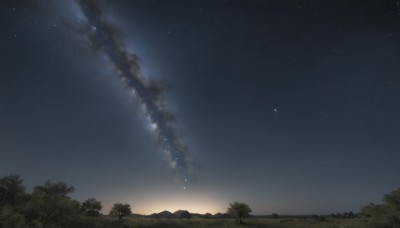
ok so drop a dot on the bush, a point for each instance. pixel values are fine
(383, 215)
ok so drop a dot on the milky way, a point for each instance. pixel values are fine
(107, 39)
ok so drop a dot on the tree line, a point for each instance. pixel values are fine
(49, 205)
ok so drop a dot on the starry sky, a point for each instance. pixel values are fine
(290, 106)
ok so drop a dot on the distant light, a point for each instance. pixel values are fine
(275, 110)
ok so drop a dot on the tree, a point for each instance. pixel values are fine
(50, 205)
(57, 189)
(386, 214)
(91, 207)
(11, 190)
(121, 210)
(12, 201)
(275, 215)
(392, 200)
(9, 217)
(239, 211)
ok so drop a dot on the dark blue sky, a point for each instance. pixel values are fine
(289, 106)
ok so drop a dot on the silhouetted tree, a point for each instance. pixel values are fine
(12, 200)
(392, 200)
(11, 190)
(91, 207)
(121, 210)
(386, 214)
(275, 215)
(50, 205)
(239, 211)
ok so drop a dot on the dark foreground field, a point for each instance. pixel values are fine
(252, 222)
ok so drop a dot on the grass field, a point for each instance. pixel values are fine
(254, 222)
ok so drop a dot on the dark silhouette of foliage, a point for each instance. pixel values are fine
(275, 215)
(12, 197)
(392, 200)
(91, 207)
(50, 205)
(47, 206)
(239, 211)
(57, 189)
(11, 190)
(121, 210)
(386, 214)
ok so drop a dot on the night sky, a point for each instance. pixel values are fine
(289, 106)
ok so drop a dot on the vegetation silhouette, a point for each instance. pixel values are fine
(91, 207)
(50, 206)
(239, 211)
(121, 210)
(383, 215)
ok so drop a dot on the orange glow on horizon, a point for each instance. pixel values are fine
(196, 205)
(172, 208)
(172, 202)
